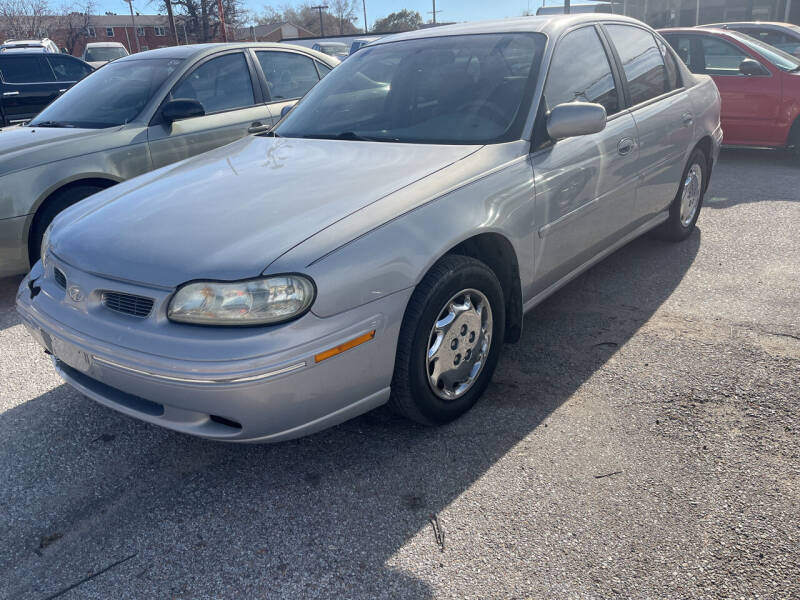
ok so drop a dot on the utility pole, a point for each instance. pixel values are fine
(320, 8)
(566, 7)
(364, 3)
(133, 23)
(171, 18)
(222, 21)
(788, 10)
(434, 11)
(697, 14)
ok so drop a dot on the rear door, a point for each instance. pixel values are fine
(585, 187)
(287, 76)
(750, 104)
(28, 86)
(663, 113)
(226, 85)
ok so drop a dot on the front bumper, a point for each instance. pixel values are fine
(279, 394)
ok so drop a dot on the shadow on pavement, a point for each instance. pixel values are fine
(8, 292)
(84, 487)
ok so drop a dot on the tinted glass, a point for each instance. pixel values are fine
(67, 69)
(220, 84)
(580, 71)
(25, 69)
(110, 96)
(288, 75)
(683, 48)
(466, 89)
(641, 60)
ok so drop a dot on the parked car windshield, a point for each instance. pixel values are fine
(783, 60)
(467, 89)
(111, 96)
(107, 54)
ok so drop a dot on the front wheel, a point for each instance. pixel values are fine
(685, 208)
(449, 342)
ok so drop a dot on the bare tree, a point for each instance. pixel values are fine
(24, 18)
(345, 13)
(201, 17)
(74, 21)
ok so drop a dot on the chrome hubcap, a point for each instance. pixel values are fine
(692, 189)
(459, 344)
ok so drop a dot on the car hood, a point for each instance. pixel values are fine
(24, 147)
(229, 213)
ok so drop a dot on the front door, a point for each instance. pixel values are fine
(585, 187)
(233, 108)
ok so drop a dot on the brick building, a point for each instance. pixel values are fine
(274, 32)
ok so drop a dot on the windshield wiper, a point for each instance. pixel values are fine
(347, 135)
(52, 124)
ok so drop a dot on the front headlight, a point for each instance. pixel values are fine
(45, 242)
(253, 302)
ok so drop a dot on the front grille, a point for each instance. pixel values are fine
(128, 304)
(61, 279)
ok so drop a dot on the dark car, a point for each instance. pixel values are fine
(29, 81)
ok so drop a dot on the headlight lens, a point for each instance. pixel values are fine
(45, 242)
(252, 302)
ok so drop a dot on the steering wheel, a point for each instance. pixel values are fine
(489, 110)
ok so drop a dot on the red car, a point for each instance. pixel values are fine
(759, 84)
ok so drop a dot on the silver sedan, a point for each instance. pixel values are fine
(384, 241)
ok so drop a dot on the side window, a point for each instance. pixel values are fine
(25, 69)
(323, 69)
(673, 75)
(580, 71)
(683, 48)
(288, 75)
(67, 69)
(721, 58)
(219, 84)
(641, 60)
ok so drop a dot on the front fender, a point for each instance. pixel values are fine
(397, 254)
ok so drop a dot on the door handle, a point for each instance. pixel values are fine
(258, 127)
(687, 119)
(625, 146)
(62, 91)
(10, 93)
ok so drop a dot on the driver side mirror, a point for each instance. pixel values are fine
(285, 110)
(573, 119)
(752, 68)
(182, 108)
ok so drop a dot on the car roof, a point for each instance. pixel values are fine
(550, 25)
(696, 30)
(776, 24)
(105, 45)
(200, 50)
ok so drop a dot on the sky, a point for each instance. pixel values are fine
(447, 10)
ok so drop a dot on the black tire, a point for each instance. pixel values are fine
(412, 395)
(54, 205)
(673, 229)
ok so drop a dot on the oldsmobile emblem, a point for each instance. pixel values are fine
(75, 293)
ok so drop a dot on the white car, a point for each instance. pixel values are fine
(98, 54)
(43, 45)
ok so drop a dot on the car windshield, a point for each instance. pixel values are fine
(110, 96)
(104, 54)
(783, 60)
(467, 89)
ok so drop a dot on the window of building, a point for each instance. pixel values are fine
(140, 31)
(580, 71)
(91, 32)
(109, 32)
(641, 60)
(160, 31)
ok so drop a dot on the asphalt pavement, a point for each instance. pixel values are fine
(641, 441)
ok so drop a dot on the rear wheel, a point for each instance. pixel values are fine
(449, 342)
(55, 204)
(685, 208)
